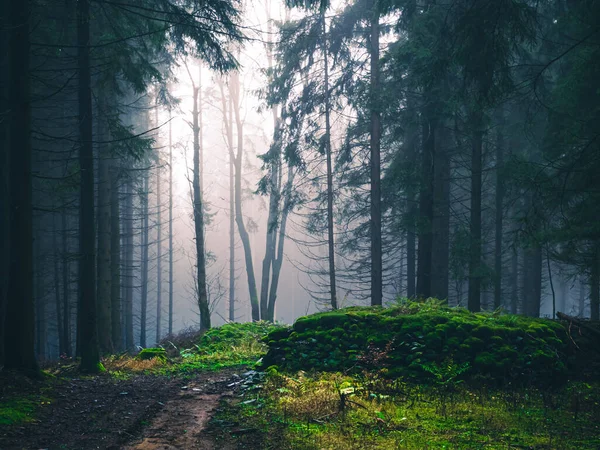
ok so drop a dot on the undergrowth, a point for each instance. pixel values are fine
(339, 411)
(230, 345)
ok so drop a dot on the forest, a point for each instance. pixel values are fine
(361, 224)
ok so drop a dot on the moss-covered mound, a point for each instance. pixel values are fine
(151, 353)
(415, 340)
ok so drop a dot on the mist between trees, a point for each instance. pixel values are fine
(179, 164)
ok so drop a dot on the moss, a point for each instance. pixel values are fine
(151, 353)
(502, 347)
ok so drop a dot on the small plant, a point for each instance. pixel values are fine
(151, 353)
(446, 379)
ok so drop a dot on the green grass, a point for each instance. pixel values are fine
(309, 412)
(15, 410)
(227, 346)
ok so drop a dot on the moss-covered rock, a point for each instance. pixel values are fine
(150, 353)
(501, 348)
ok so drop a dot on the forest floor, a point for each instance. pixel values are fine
(199, 391)
(143, 412)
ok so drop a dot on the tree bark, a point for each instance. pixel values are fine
(239, 216)
(375, 224)
(231, 226)
(40, 302)
(57, 293)
(474, 299)
(514, 280)
(4, 170)
(115, 260)
(278, 261)
(582, 297)
(424, 267)
(128, 265)
(199, 218)
(595, 285)
(170, 226)
(158, 241)
(144, 261)
(330, 230)
(19, 319)
(440, 256)
(87, 323)
(66, 279)
(499, 213)
(104, 231)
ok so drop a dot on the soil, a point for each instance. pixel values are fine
(144, 413)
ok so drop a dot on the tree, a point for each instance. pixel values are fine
(19, 322)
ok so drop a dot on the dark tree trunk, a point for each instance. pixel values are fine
(115, 260)
(40, 302)
(104, 304)
(231, 230)
(19, 324)
(376, 246)
(158, 242)
(170, 227)
(330, 231)
(514, 280)
(278, 261)
(57, 294)
(4, 171)
(87, 323)
(499, 213)
(475, 260)
(426, 204)
(239, 216)
(441, 217)
(128, 265)
(144, 262)
(199, 219)
(66, 280)
(595, 285)
(582, 297)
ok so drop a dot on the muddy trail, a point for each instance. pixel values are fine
(144, 412)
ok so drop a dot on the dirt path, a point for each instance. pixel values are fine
(144, 412)
(181, 423)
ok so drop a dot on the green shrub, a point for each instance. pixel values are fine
(502, 348)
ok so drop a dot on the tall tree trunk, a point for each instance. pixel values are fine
(411, 146)
(278, 261)
(115, 259)
(144, 261)
(158, 241)
(128, 272)
(514, 280)
(40, 302)
(474, 300)
(104, 230)
(499, 212)
(376, 246)
(582, 297)
(87, 322)
(56, 276)
(170, 226)
(66, 279)
(239, 216)
(595, 285)
(4, 170)
(375, 188)
(19, 326)
(533, 280)
(231, 232)
(424, 267)
(199, 218)
(440, 256)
